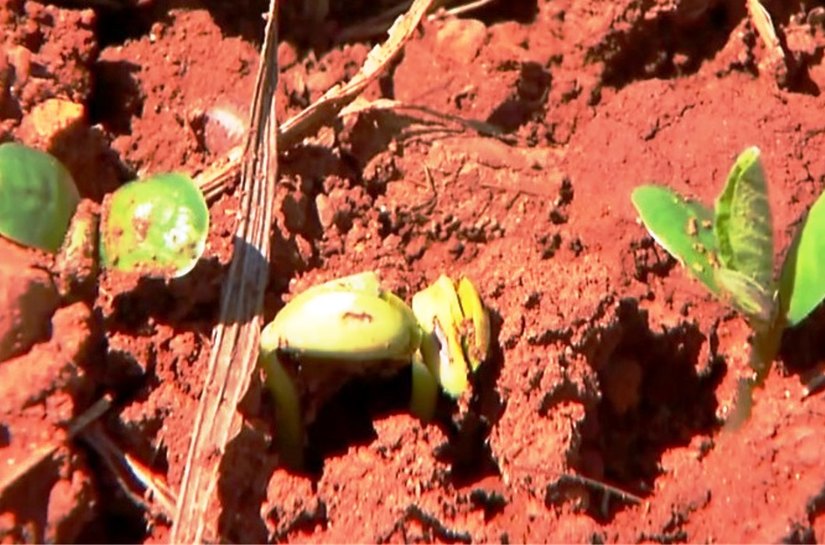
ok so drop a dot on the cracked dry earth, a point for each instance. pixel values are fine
(524, 128)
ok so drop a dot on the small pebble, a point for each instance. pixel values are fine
(462, 39)
(326, 215)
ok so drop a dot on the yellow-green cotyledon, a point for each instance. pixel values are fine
(351, 326)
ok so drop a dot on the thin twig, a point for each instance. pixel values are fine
(428, 522)
(234, 353)
(463, 9)
(326, 109)
(776, 60)
(419, 113)
(814, 385)
(235, 339)
(144, 487)
(221, 176)
(38, 455)
(601, 487)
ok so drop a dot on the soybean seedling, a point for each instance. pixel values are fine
(730, 250)
(37, 197)
(352, 326)
(157, 226)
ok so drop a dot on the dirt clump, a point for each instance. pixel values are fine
(515, 137)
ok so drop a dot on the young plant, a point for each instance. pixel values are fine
(730, 250)
(37, 197)
(352, 326)
(156, 226)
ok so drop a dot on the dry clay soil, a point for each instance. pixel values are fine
(519, 133)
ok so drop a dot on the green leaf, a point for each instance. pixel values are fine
(438, 311)
(682, 227)
(748, 297)
(38, 197)
(802, 283)
(743, 224)
(157, 226)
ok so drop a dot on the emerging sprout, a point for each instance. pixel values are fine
(353, 326)
(157, 225)
(456, 331)
(730, 250)
(37, 197)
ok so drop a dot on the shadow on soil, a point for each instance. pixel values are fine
(373, 19)
(176, 302)
(653, 399)
(802, 349)
(27, 501)
(671, 44)
(119, 22)
(119, 519)
(122, 21)
(139, 304)
(468, 451)
(116, 96)
(244, 474)
(347, 419)
(527, 103)
(663, 47)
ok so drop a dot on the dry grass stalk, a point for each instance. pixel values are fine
(38, 454)
(325, 110)
(234, 353)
